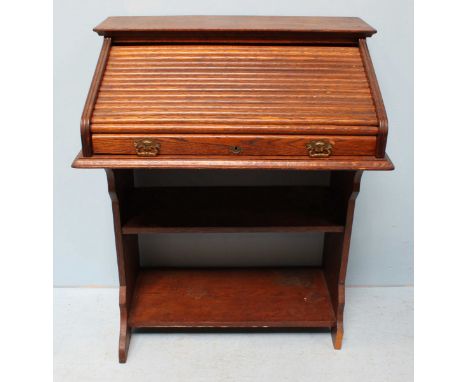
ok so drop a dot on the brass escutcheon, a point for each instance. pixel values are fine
(235, 149)
(146, 147)
(321, 148)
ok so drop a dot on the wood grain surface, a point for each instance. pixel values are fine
(249, 145)
(377, 99)
(240, 298)
(232, 92)
(120, 184)
(309, 89)
(224, 162)
(345, 185)
(313, 24)
(85, 123)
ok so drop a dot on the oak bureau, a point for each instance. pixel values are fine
(233, 92)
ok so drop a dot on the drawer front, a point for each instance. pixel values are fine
(233, 145)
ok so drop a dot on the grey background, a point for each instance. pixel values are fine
(382, 242)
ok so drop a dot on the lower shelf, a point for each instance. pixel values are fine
(231, 298)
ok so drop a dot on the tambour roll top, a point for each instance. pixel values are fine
(234, 89)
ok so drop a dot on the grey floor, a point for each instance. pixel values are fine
(378, 345)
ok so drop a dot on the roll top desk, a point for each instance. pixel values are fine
(246, 93)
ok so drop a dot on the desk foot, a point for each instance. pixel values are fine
(125, 329)
(124, 340)
(337, 336)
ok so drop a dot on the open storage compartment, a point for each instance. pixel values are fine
(266, 297)
(232, 209)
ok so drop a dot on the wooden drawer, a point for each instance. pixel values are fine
(233, 145)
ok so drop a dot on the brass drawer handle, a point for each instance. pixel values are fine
(235, 149)
(321, 148)
(146, 147)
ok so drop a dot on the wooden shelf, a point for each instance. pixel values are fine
(231, 298)
(232, 209)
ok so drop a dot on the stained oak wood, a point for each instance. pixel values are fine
(208, 145)
(233, 93)
(85, 123)
(192, 88)
(267, 27)
(345, 185)
(377, 99)
(232, 209)
(264, 129)
(248, 163)
(176, 87)
(174, 298)
(241, 298)
(120, 184)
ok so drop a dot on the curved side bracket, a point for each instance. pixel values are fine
(85, 124)
(377, 98)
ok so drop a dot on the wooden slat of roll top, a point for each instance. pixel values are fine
(231, 48)
(231, 129)
(235, 50)
(185, 86)
(188, 119)
(107, 109)
(183, 68)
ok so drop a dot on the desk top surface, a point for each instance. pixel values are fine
(196, 163)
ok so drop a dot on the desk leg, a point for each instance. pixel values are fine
(345, 186)
(120, 184)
